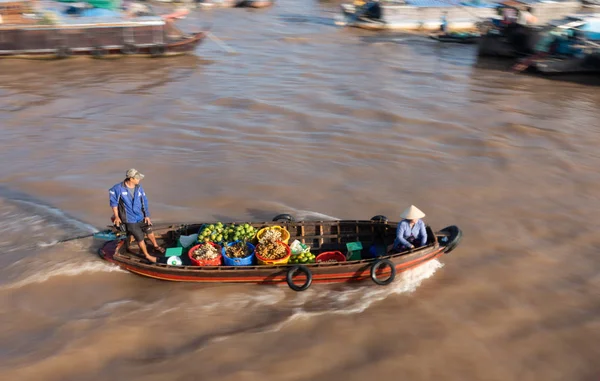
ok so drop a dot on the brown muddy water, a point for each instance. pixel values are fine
(322, 123)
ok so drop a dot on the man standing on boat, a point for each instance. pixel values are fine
(444, 24)
(130, 207)
(526, 18)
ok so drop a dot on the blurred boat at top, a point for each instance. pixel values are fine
(427, 15)
(42, 28)
(414, 15)
(569, 45)
(226, 3)
(517, 26)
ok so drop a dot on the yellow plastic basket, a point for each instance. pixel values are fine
(281, 261)
(285, 235)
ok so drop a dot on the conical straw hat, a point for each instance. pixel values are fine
(412, 213)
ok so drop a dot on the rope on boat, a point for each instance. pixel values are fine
(78, 237)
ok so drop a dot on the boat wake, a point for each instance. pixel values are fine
(314, 302)
(57, 216)
(357, 299)
(26, 222)
(298, 214)
(285, 311)
(59, 269)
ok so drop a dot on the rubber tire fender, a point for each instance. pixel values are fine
(454, 243)
(290, 275)
(380, 218)
(63, 52)
(128, 49)
(99, 52)
(376, 267)
(284, 217)
(158, 50)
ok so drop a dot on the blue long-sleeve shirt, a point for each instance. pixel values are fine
(131, 210)
(403, 231)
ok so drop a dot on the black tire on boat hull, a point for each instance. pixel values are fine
(128, 49)
(284, 217)
(289, 278)
(456, 234)
(158, 50)
(376, 266)
(379, 217)
(99, 52)
(64, 52)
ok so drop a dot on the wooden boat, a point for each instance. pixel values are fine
(569, 45)
(459, 38)
(256, 3)
(512, 39)
(358, 17)
(236, 3)
(560, 65)
(320, 235)
(409, 15)
(509, 42)
(61, 36)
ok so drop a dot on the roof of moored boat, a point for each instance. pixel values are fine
(94, 17)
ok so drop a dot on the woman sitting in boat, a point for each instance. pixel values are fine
(411, 230)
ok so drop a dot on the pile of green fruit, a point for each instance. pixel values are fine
(219, 232)
(304, 257)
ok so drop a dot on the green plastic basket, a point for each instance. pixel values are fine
(354, 250)
(174, 251)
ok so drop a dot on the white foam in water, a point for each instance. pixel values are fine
(351, 300)
(47, 244)
(357, 299)
(38, 221)
(62, 269)
(305, 214)
(60, 215)
(302, 215)
(240, 301)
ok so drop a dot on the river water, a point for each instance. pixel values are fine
(303, 117)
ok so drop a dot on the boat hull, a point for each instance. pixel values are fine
(236, 3)
(412, 18)
(455, 39)
(339, 272)
(517, 42)
(154, 40)
(553, 65)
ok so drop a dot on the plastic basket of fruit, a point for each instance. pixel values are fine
(218, 232)
(330, 256)
(238, 254)
(206, 254)
(272, 253)
(304, 257)
(280, 233)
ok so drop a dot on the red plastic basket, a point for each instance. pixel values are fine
(218, 261)
(330, 256)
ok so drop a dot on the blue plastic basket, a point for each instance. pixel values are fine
(376, 251)
(247, 261)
